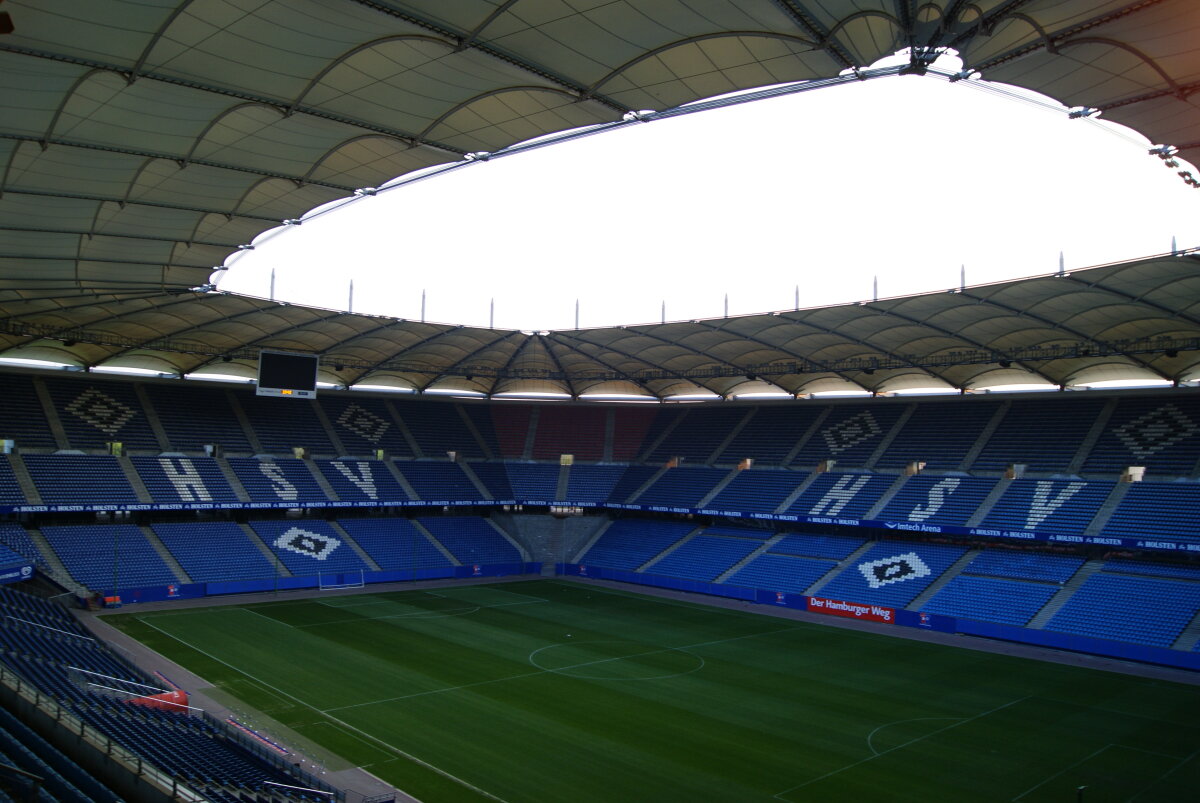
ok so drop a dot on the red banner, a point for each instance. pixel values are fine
(167, 701)
(852, 610)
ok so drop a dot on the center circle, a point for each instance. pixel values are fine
(615, 660)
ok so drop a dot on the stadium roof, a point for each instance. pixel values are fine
(143, 143)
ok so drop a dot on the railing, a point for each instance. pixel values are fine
(128, 761)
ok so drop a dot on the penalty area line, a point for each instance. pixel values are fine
(780, 795)
(342, 723)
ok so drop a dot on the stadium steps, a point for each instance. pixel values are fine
(590, 542)
(517, 545)
(1085, 447)
(535, 414)
(564, 482)
(321, 480)
(227, 472)
(886, 442)
(989, 502)
(794, 495)
(402, 427)
(653, 479)
(813, 429)
(156, 427)
(733, 433)
(770, 542)
(400, 479)
(58, 571)
(662, 436)
(1189, 635)
(153, 540)
(134, 480)
(1056, 602)
(720, 486)
(256, 539)
(474, 432)
(251, 436)
(51, 413)
(431, 538)
(327, 427)
(984, 436)
(349, 539)
(883, 500)
(610, 435)
(948, 575)
(1109, 506)
(836, 569)
(474, 478)
(648, 564)
(21, 472)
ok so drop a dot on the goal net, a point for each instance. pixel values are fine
(336, 580)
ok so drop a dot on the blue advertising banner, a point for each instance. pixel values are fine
(899, 527)
(15, 573)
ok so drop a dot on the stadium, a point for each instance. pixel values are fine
(728, 559)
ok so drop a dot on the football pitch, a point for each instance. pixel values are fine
(554, 691)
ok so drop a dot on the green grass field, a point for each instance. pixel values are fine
(555, 691)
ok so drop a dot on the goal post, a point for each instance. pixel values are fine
(338, 580)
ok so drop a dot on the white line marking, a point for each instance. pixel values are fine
(346, 725)
(1083, 760)
(871, 735)
(780, 795)
(563, 670)
(549, 671)
(1182, 762)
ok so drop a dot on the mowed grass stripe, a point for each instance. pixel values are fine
(830, 713)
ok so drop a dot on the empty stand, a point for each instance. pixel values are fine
(534, 481)
(439, 481)
(757, 490)
(1140, 610)
(195, 416)
(21, 416)
(892, 573)
(1042, 434)
(1157, 510)
(938, 500)
(593, 483)
(308, 547)
(629, 543)
(10, 488)
(285, 480)
(564, 429)
(283, 424)
(104, 557)
(183, 479)
(94, 413)
(849, 435)
(361, 480)
(214, 551)
(1060, 506)
(705, 557)
(395, 544)
(846, 495)
(364, 424)
(66, 479)
(471, 540)
(682, 487)
(698, 434)
(770, 434)
(938, 433)
(1160, 433)
(438, 428)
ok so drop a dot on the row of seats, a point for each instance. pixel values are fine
(50, 656)
(1047, 433)
(1133, 601)
(122, 556)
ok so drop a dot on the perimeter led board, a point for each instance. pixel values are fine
(288, 374)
